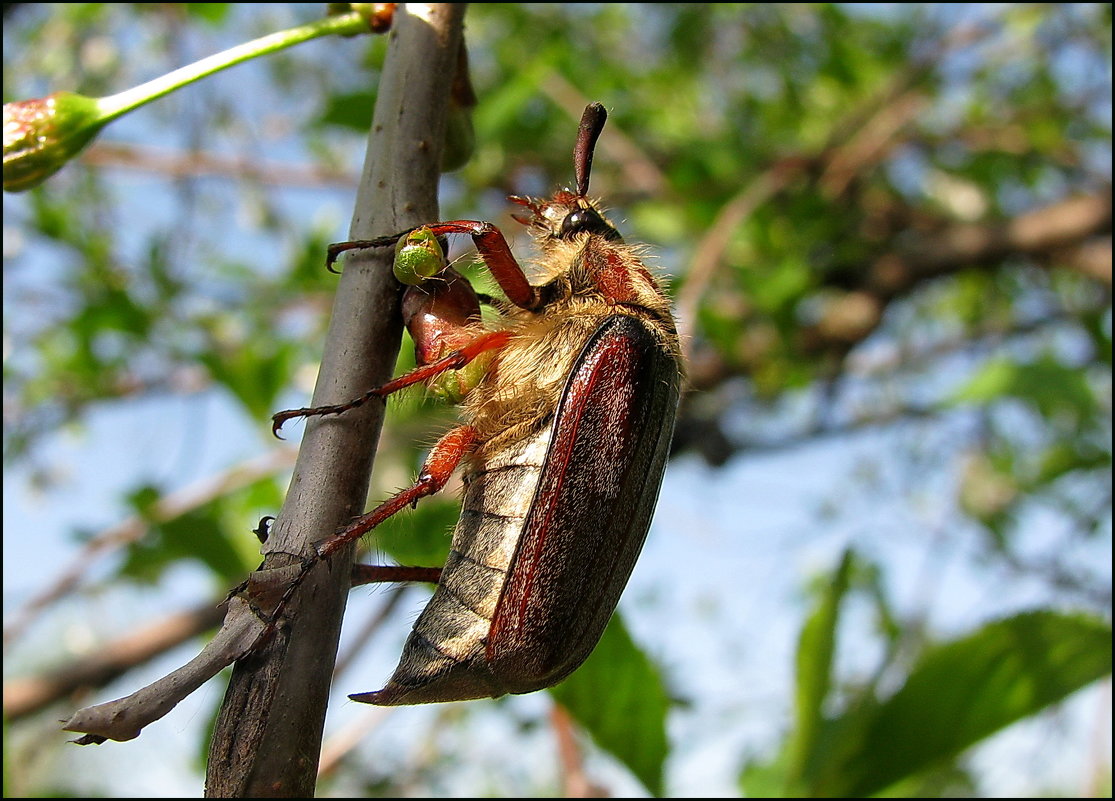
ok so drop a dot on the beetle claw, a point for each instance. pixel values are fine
(277, 421)
(263, 530)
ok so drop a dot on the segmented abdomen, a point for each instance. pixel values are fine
(444, 655)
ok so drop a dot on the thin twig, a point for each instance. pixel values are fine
(25, 696)
(193, 164)
(339, 745)
(710, 250)
(575, 782)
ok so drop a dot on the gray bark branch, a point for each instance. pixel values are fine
(267, 740)
(268, 736)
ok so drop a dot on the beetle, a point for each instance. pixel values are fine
(567, 412)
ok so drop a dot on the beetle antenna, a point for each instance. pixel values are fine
(592, 123)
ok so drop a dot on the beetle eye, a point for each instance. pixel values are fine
(581, 221)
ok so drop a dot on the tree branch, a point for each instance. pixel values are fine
(1039, 235)
(182, 163)
(574, 779)
(26, 695)
(700, 421)
(1041, 232)
(1071, 234)
(268, 736)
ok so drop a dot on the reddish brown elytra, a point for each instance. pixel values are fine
(567, 413)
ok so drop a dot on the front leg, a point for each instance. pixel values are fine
(491, 244)
(455, 360)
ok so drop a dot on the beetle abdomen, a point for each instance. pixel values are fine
(443, 658)
(550, 532)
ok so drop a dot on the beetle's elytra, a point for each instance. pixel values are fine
(566, 419)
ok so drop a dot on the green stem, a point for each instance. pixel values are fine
(115, 105)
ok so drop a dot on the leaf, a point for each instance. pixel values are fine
(1062, 458)
(620, 699)
(816, 647)
(212, 13)
(1053, 389)
(204, 535)
(767, 778)
(254, 371)
(419, 537)
(963, 691)
(352, 110)
(198, 535)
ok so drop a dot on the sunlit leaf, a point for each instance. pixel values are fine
(619, 697)
(963, 691)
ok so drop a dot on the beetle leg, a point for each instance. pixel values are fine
(378, 574)
(494, 250)
(490, 244)
(337, 248)
(439, 465)
(491, 340)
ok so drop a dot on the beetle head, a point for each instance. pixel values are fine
(568, 214)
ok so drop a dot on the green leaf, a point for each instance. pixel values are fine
(620, 699)
(352, 110)
(963, 691)
(212, 13)
(208, 535)
(816, 647)
(767, 778)
(419, 537)
(198, 535)
(254, 371)
(1049, 386)
(1063, 457)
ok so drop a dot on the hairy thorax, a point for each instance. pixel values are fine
(521, 394)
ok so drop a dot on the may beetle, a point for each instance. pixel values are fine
(567, 410)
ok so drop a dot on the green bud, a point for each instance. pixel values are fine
(453, 385)
(418, 256)
(41, 135)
